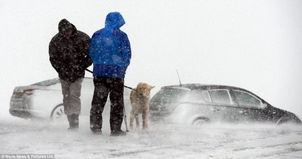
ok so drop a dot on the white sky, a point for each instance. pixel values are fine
(246, 43)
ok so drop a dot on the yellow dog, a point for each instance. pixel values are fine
(140, 98)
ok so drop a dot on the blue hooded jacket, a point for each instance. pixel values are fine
(110, 48)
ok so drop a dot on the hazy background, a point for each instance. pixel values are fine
(246, 43)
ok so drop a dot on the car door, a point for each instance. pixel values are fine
(222, 104)
(250, 107)
(197, 103)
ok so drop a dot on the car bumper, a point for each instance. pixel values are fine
(295, 119)
(20, 113)
(19, 108)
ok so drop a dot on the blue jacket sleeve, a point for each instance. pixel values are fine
(126, 50)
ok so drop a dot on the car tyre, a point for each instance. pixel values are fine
(57, 112)
(200, 121)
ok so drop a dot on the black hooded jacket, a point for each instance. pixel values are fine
(69, 55)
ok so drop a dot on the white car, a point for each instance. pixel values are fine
(45, 100)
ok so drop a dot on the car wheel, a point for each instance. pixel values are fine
(200, 121)
(57, 112)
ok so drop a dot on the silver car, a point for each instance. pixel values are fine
(199, 103)
(45, 100)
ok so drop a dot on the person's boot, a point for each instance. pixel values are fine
(73, 121)
(96, 124)
(115, 126)
(96, 129)
(118, 133)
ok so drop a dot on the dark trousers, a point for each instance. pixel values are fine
(104, 86)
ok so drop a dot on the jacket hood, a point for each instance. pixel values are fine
(65, 25)
(114, 20)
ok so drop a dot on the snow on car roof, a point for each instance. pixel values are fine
(47, 82)
(193, 86)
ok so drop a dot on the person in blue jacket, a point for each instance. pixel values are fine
(110, 52)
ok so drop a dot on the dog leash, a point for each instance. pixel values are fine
(124, 85)
(129, 88)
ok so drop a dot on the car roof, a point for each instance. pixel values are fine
(52, 81)
(196, 86)
(193, 86)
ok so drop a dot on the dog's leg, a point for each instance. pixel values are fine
(132, 115)
(137, 120)
(145, 119)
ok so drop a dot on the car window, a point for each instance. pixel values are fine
(244, 98)
(198, 96)
(220, 96)
(168, 95)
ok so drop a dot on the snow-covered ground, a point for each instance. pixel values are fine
(162, 140)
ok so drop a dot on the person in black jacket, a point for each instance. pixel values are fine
(69, 55)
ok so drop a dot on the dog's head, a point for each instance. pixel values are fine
(144, 89)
